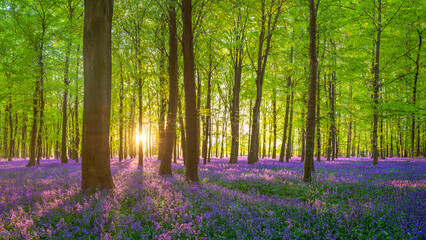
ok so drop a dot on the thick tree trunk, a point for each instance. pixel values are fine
(170, 133)
(310, 118)
(235, 108)
(96, 173)
(191, 116)
(34, 125)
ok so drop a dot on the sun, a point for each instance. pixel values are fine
(142, 137)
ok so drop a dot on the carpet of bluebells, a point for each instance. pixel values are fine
(348, 199)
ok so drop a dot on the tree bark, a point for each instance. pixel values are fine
(96, 173)
(208, 117)
(182, 132)
(191, 114)
(290, 129)
(120, 114)
(310, 118)
(76, 103)
(287, 109)
(413, 118)
(376, 86)
(270, 21)
(64, 157)
(170, 133)
(274, 123)
(235, 108)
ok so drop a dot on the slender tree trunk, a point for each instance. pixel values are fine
(132, 139)
(10, 154)
(268, 24)
(170, 133)
(290, 129)
(376, 85)
(332, 115)
(140, 123)
(287, 109)
(191, 116)
(318, 117)
(274, 123)
(24, 137)
(120, 113)
(182, 132)
(250, 124)
(416, 76)
(348, 146)
(303, 137)
(76, 103)
(310, 118)
(96, 173)
(264, 135)
(208, 116)
(382, 153)
(64, 157)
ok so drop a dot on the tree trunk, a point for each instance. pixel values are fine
(264, 135)
(170, 133)
(120, 114)
(76, 103)
(413, 120)
(318, 122)
(290, 129)
(274, 123)
(235, 108)
(207, 133)
(332, 116)
(287, 109)
(348, 146)
(268, 24)
(64, 157)
(310, 118)
(96, 173)
(10, 152)
(24, 137)
(376, 86)
(182, 132)
(191, 115)
(140, 123)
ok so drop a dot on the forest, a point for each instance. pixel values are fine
(208, 119)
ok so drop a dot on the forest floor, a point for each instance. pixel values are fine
(348, 199)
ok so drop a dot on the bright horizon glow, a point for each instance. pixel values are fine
(142, 137)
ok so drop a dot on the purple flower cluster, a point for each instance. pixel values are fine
(349, 199)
